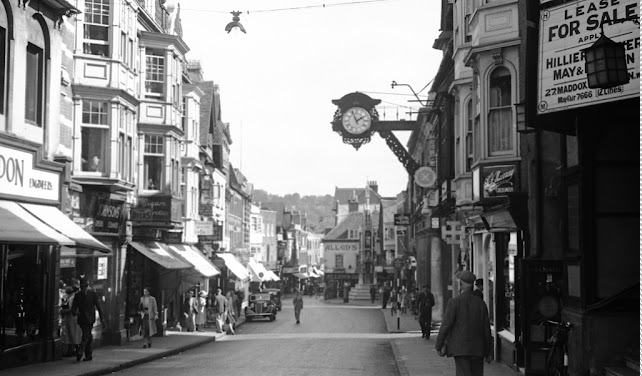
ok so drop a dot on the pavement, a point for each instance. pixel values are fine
(414, 356)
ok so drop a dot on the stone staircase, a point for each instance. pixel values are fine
(360, 292)
(631, 367)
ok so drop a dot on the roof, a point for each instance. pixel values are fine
(207, 110)
(278, 207)
(352, 221)
(343, 195)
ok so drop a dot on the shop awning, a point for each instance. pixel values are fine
(18, 226)
(160, 254)
(196, 258)
(273, 276)
(300, 275)
(234, 265)
(61, 223)
(313, 274)
(258, 273)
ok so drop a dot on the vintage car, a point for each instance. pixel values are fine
(276, 297)
(260, 305)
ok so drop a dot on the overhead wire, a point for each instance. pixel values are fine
(324, 5)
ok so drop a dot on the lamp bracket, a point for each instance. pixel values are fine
(394, 83)
(400, 151)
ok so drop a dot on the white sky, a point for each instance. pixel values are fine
(278, 80)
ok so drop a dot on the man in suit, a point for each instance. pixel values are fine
(85, 306)
(221, 309)
(465, 330)
(426, 302)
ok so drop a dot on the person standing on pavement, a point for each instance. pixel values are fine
(220, 310)
(70, 333)
(192, 312)
(465, 330)
(426, 302)
(84, 306)
(297, 302)
(373, 294)
(479, 288)
(148, 315)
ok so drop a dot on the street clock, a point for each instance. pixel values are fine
(355, 119)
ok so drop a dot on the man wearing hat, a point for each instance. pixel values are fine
(465, 330)
(84, 306)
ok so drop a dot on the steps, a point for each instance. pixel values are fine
(631, 368)
(360, 292)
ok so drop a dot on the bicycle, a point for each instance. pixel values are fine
(557, 357)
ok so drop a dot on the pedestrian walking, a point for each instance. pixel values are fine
(403, 297)
(426, 302)
(201, 317)
(385, 295)
(373, 293)
(148, 315)
(85, 305)
(192, 311)
(297, 301)
(465, 330)
(240, 295)
(70, 333)
(220, 310)
(229, 311)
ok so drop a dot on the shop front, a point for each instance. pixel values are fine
(234, 276)
(33, 231)
(337, 282)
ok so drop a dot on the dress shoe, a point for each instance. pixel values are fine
(145, 346)
(87, 359)
(149, 345)
(78, 357)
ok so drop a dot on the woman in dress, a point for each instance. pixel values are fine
(149, 315)
(70, 334)
(230, 311)
(201, 317)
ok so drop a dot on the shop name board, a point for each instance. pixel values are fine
(565, 31)
(107, 217)
(19, 178)
(172, 237)
(402, 220)
(339, 276)
(341, 247)
(498, 180)
(156, 209)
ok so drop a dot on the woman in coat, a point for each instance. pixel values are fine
(149, 315)
(297, 301)
(230, 311)
(70, 333)
(201, 317)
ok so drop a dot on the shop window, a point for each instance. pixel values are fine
(96, 28)
(154, 74)
(22, 295)
(500, 113)
(509, 282)
(153, 162)
(34, 85)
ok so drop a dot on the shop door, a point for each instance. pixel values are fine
(542, 279)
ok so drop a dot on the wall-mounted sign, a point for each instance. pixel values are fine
(425, 177)
(173, 237)
(107, 217)
(497, 181)
(157, 209)
(204, 227)
(146, 233)
(101, 268)
(567, 29)
(341, 247)
(18, 177)
(402, 220)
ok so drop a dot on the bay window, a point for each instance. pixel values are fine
(500, 113)
(3, 66)
(153, 157)
(470, 118)
(154, 73)
(94, 135)
(96, 28)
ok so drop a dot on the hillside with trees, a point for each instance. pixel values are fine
(318, 208)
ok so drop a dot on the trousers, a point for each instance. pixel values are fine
(469, 366)
(85, 343)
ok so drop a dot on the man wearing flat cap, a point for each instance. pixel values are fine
(465, 330)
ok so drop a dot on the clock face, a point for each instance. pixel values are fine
(356, 120)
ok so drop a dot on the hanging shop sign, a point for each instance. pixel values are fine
(402, 220)
(18, 177)
(493, 181)
(108, 215)
(204, 227)
(425, 177)
(565, 31)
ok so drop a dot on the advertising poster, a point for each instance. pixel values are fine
(565, 31)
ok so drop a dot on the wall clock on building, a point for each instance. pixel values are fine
(356, 120)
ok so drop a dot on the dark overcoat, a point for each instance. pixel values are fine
(85, 306)
(465, 329)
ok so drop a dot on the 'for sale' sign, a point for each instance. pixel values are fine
(567, 29)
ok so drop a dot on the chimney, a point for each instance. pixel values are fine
(194, 70)
(374, 186)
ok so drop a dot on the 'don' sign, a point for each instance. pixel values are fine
(565, 31)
